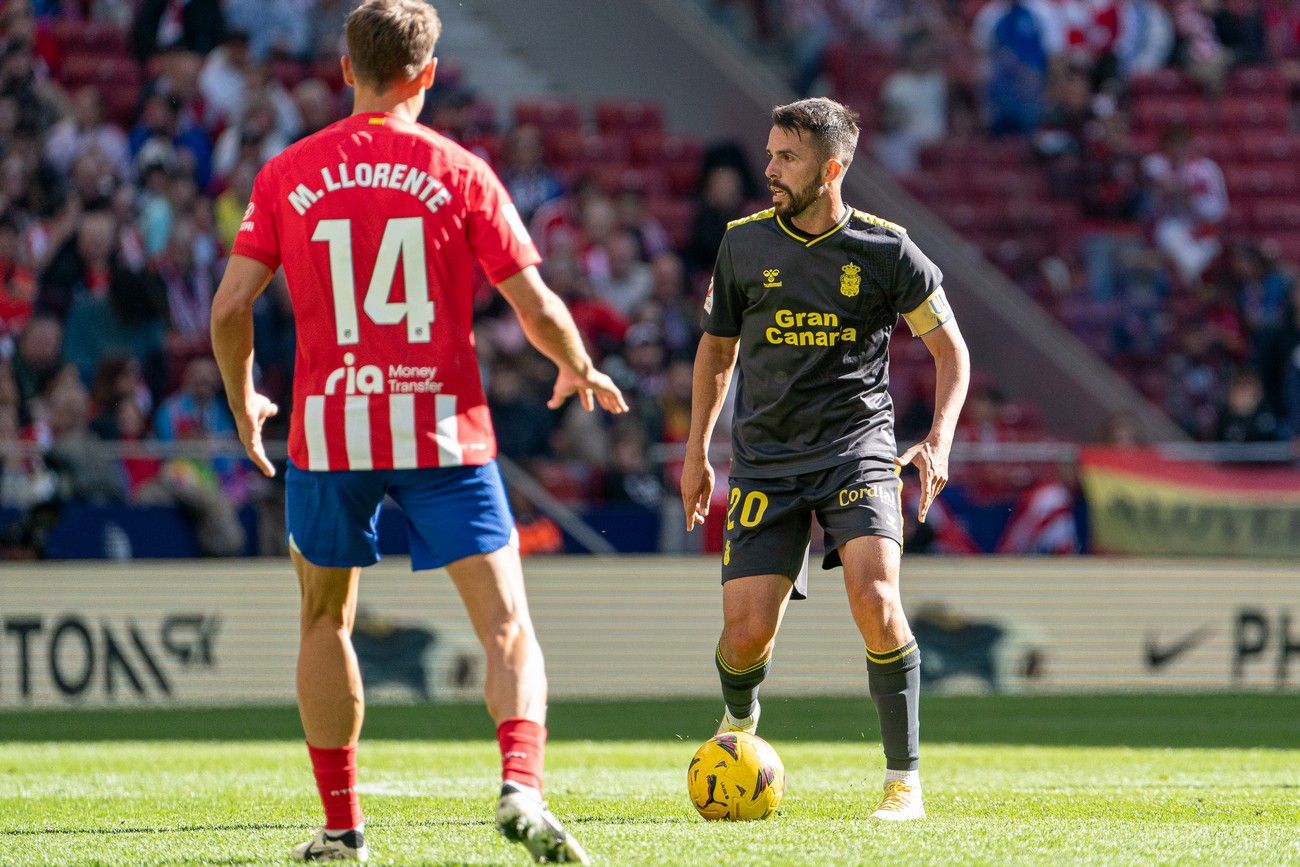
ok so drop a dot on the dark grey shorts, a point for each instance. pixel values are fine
(769, 521)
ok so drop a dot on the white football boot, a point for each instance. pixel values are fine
(325, 846)
(522, 818)
(748, 725)
(902, 800)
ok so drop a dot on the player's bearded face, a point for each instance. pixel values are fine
(794, 173)
(793, 202)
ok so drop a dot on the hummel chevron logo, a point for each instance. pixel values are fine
(1158, 657)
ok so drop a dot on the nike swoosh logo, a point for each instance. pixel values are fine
(1158, 657)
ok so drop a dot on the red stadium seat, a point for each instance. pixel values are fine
(1267, 146)
(101, 70)
(548, 114)
(646, 146)
(676, 214)
(1284, 244)
(1276, 213)
(1255, 114)
(290, 72)
(1164, 111)
(328, 70)
(1257, 81)
(629, 115)
(92, 36)
(1163, 82)
(562, 146)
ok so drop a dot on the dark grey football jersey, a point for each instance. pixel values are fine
(814, 317)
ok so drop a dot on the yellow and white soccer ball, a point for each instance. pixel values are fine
(737, 777)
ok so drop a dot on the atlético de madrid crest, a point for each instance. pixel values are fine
(850, 280)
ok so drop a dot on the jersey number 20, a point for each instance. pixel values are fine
(403, 239)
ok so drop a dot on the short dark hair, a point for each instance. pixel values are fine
(390, 40)
(832, 126)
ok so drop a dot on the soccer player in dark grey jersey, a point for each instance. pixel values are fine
(805, 296)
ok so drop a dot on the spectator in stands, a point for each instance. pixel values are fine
(1244, 418)
(230, 206)
(627, 281)
(519, 416)
(17, 283)
(645, 358)
(82, 266)
(1263, 296)
(118, 381)
(525, 174)
(36, 362)
(207, 491)
(84, 129)
(163, 137)
(195, 25)
(25, 481)
(1240, 27)
(722, 202)
(1019, 40)
(1121, 429)
(198, 410)
(315, 105)
(276, 27)
(676, 313)
(1194, 379)
(92, 180)
(324, 24)
(1291, 382)
(87, 471)
(224, 79)
(38, 102)
(1189, 200)
(254, 138)
(634, 216)
(1199, 49)
(131, 318)
(914, 106)
(601, 324)
(1146, 37)
(808, 27)
(629, 478)
(190, 282)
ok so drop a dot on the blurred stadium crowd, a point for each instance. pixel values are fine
(130, 134)
(1133, 164)
(131, 130)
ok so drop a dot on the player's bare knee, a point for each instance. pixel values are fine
(878, 597)
(748, 640)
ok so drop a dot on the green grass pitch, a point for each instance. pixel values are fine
(1008, 780)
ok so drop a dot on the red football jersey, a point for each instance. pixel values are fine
(378, 223)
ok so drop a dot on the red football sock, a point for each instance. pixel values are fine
(336, 778)
(523, 751)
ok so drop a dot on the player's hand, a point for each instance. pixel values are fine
(697, 489)
(930, 456)
(258, 409)
(595, 387)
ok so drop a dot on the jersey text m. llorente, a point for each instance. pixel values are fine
(379, 223)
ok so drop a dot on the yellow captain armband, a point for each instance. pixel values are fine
(932, 313)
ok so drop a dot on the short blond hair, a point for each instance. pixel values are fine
(389, 41)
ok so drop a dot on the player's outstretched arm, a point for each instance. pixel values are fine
(549, 327)
(714, 361)
(232, 344)
(952, 369)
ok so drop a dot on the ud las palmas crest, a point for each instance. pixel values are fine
(850, 280)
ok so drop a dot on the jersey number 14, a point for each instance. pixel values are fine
(403, 239)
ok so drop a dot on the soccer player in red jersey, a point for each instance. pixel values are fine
(378, 223)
